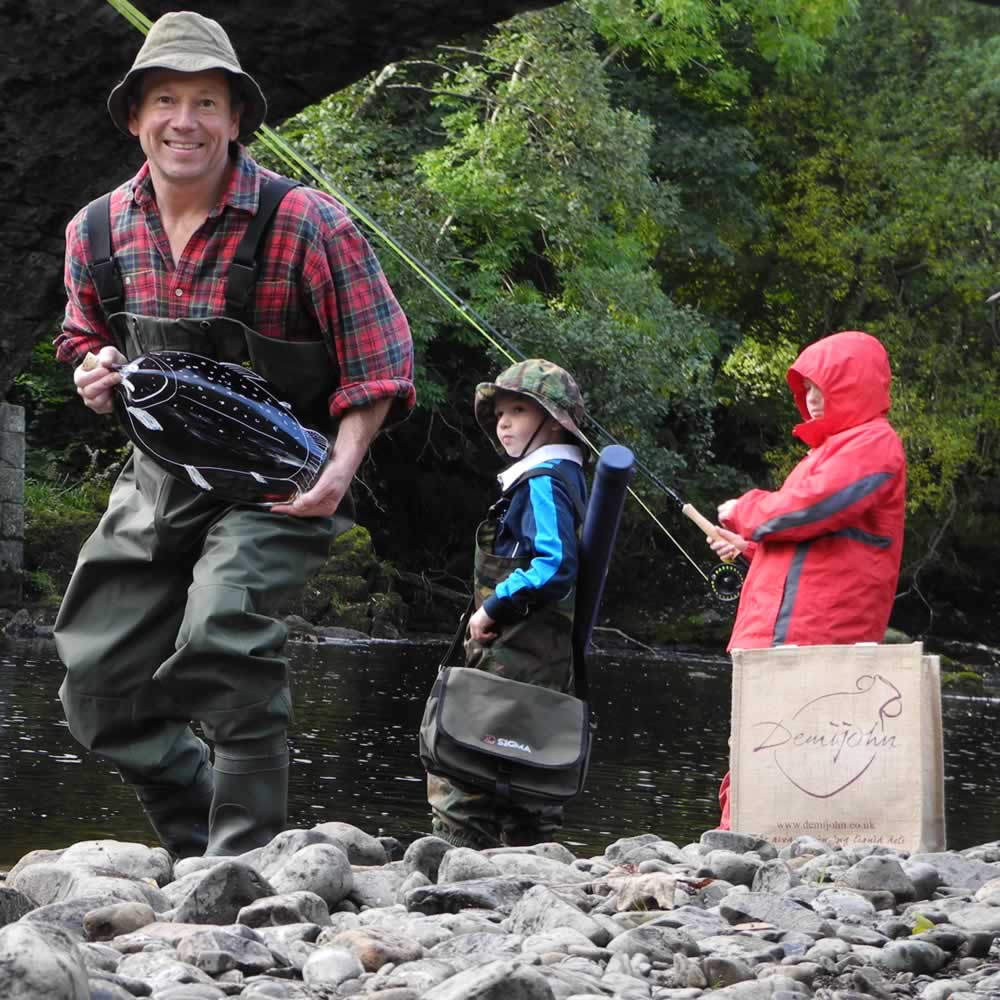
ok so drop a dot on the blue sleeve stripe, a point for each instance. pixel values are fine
(547, 543)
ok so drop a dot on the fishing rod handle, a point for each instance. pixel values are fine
(691, 512)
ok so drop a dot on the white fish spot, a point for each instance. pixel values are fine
(145, 418)
(258, 477)
(197, 478)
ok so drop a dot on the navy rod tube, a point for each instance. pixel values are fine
(615, 468)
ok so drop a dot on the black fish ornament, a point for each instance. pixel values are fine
(218, 427)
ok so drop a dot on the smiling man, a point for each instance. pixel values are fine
(169, 616)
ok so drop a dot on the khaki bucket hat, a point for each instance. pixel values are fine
(552, 387)
(187, 42)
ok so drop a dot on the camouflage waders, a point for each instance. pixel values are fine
(169, 618)
(535, 650)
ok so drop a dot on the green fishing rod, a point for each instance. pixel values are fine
(725, 579)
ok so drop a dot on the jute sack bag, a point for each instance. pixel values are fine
(843, 743)
(515, 740)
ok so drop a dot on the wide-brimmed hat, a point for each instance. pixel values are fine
(552, 387)
(187, 42)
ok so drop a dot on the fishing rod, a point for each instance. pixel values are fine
(725, 580)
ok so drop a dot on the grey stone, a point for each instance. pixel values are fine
(218, 949)
(424, 855)
(500, 980)
(773, 876)
(920, 957)
(221, 894)
(723, 971)
(660, 944)
(953, 869)
(977, 918)
(420, 975)
(327, 968)
(375, 947)
(944, 989)
(755, 906)
(377, 887)
(879, 873)
(39, 960)
(107, 922)
(539, 868)
(740, 843)
(540, 910)
(462, 864)
(302, 907)
(844, 903)
(319, 868)
(361, 848)
(737, 869)
(478, 945)
(501, 894)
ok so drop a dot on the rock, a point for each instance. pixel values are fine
(39, 960)
(501, 894)
(327, 968)
(761, 906)
(301, 907)
(13, 905)
(424, 855)
(374, 947)
(221, 894)
(319, 868)
(500, 980)
(881, 874)
(108, 922)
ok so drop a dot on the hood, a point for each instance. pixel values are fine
(852, 371)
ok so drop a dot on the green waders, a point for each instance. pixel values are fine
(535, 650)
(169, 618)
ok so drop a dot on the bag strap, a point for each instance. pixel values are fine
(103, 267)
(242, 276)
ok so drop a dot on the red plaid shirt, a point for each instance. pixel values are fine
(317, 278)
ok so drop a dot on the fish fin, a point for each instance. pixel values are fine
(321, 439)
(127, 385)
(287, 406)
(258, 477)
(197, 478)
(244, 371)
(145, 418)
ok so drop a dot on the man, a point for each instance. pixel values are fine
(169, 615)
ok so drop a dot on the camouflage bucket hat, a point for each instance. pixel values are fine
(552, 387)
(187, 42)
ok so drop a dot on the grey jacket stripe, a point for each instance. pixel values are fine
(833, 504)
(788, 597)
(865, 537)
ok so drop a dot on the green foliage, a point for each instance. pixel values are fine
(702, 44)
(57, 520)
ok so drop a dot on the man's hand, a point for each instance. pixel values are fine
(728, 545)
(482, 628)
(324, 498)
(94, 379)
(357, 429)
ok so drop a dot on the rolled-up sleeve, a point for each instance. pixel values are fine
(368, 331)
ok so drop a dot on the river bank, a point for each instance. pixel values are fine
(335, 912)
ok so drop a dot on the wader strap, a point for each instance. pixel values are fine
(242, 274)
(456, 639)
(103, 267)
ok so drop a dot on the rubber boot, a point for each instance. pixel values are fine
(179, 815)
(250, 806)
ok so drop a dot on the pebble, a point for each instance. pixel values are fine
(333, 912)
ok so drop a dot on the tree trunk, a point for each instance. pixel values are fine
(58, 148)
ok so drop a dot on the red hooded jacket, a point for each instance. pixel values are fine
(826, 546)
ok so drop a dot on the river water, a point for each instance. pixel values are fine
(660, 749)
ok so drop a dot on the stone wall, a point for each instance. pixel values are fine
(11, 503)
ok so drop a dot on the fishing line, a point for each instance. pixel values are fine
(725, 579)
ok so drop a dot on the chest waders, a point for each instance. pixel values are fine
(538, 649)
(169, 614)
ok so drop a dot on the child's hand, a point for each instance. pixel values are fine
(725, 510)
(728, 545)
(482, 628)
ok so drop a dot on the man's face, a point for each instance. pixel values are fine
(184, 123)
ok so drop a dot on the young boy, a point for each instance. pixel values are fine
(825, 547)
(525, 578)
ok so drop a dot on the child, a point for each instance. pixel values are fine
(825, 547)
(525, 578)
